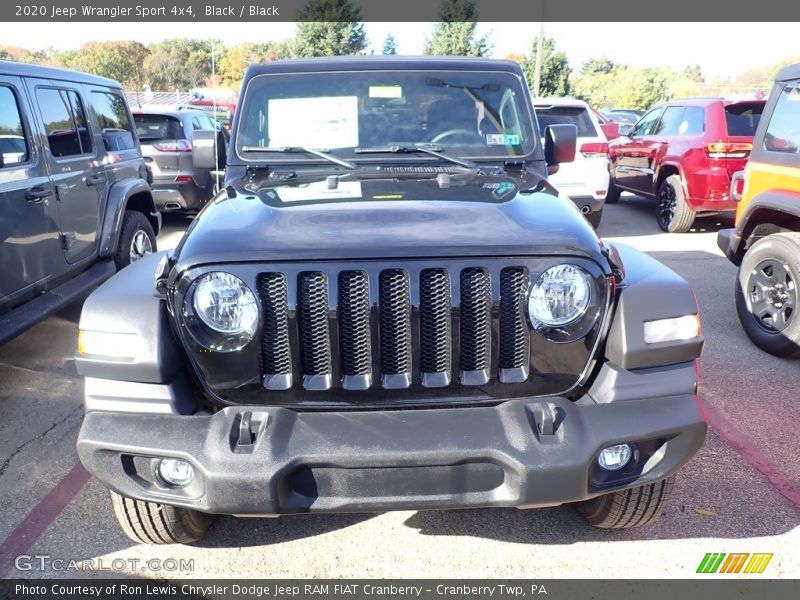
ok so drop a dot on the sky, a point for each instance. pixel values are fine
(721, 49)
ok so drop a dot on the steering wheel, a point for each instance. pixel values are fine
(454, 132)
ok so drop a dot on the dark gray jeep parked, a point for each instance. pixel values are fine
(75, 205)
(388, 307)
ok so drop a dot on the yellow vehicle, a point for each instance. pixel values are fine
(765, 242)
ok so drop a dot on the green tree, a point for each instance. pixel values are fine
(329, 28)
(693, 73)
(599, 66)
(389, 45)
(232, 65)
(455, 33)
(122, 61)
(179, 63)
(555, 74)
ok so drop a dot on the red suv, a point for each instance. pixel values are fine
(683, 153)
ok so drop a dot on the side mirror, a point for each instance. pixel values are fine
(208, 150)
(626, 129)
(560, 144)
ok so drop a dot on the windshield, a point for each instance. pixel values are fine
(570, 115)
(467, 114)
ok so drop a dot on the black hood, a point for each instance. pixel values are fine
(386, 215)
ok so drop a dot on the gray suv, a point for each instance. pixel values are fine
(167, 137)
(75, 205)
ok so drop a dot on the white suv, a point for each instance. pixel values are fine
(584, 181)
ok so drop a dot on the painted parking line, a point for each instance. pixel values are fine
(41, 516)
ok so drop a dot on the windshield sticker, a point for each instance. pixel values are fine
(325, 123)
(319, 191)
(502, 139)
(385, 91)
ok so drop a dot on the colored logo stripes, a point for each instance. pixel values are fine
(719, 562)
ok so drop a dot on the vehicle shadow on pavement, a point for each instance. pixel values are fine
(641, 212)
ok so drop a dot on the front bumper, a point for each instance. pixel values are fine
(186, 195)
(728, 242)
(525, 453)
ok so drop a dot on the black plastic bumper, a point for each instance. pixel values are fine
(524, 453)
(728, 242)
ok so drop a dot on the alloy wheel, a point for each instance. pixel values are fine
(140, 246)
(667, 202)
(772, 295)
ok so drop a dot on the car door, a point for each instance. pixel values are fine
(29, 248)
(665, 139)
(71, 154)
(629, 157)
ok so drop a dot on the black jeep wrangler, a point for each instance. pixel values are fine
(388, 307)
(75, 204)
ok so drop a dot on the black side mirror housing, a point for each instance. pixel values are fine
(626, 129)
(560, 144)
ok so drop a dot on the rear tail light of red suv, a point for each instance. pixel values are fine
(728, 149)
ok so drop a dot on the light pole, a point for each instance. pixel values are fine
(537, 70)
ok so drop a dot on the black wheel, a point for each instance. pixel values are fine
(136, 239)
(612, 197)
(672, 213)
(595, 217)
(766, 294)
(152, 523)
(627, 508)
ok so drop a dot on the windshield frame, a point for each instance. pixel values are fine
(525, 108)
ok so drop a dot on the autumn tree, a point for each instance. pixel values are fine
(455, 34)
(329, 28)
(179, 63)
(122, 61)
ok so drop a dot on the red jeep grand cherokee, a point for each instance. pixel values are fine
(683, 153)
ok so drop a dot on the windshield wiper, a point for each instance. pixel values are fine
(300, 150)
(431, 150)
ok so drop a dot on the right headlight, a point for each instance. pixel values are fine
(560, 296)
(222, 312)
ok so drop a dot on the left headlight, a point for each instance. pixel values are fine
(560, 296)
(227, 309)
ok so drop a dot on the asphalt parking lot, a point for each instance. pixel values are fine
(741, 493)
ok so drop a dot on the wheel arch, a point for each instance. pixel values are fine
(126, 195)
(767, 213)
(664, 171)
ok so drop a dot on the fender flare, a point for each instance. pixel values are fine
(782, 201)
(679, 168)
(116, 204)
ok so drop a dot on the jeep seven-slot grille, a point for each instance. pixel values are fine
(366, 334)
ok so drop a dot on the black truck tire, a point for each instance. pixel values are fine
(781, 251)
(633, 507)
(153, 523)
(673, 215)
(136, 238)
(612, 197)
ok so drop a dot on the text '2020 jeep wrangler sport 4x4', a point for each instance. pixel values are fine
(388, 307)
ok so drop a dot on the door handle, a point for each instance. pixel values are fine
(94, 180)
(37, 195)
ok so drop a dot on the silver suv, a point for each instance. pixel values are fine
(166, 137)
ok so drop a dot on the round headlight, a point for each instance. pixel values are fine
(560, 296)
(224, 303)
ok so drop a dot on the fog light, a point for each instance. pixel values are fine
(614, 458)
(175, 471)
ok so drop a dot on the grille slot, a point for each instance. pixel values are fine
(434, 327)
(276, 356)
(354, 330)
(395, 328)
(315, 342)
(514, 355)
(476, 326)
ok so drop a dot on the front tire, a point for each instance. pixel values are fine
(766, 294)
(153, 523)
(136, 239)
(673, 215)
(633, 507)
